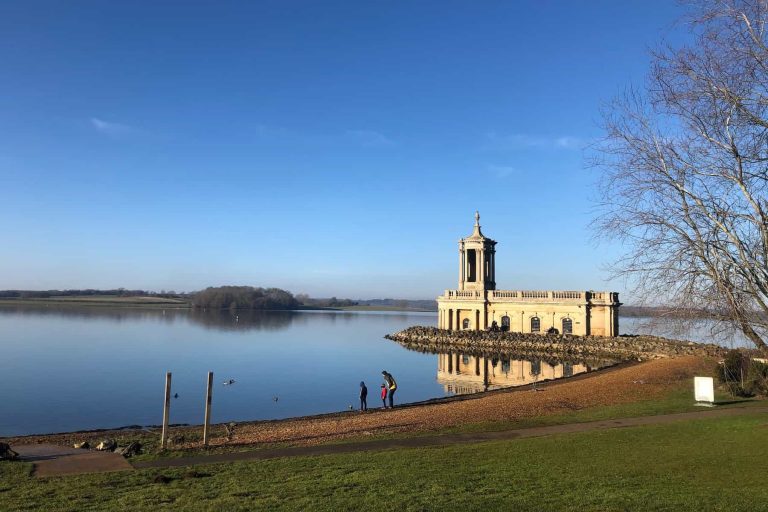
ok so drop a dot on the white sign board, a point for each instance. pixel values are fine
(704, 389)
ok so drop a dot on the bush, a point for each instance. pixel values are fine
(743, 376)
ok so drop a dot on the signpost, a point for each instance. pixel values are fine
(208, 396)
(166, 411)
(704, 391)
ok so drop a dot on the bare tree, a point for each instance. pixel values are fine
(683, 181)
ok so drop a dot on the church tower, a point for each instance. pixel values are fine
(477, 261)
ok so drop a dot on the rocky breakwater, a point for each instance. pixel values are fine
(621, 348)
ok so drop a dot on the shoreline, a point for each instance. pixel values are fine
(622, 385)
(339, 414)
(128, 303)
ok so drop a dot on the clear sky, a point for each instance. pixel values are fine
(332, 148)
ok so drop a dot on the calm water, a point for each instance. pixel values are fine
(70, 369)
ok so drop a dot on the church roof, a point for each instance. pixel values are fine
(477, 234)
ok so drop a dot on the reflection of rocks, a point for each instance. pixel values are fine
(463, 373)
(562, 346)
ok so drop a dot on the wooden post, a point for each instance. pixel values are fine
(166, 411)
(208, 396)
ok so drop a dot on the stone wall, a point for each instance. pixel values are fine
(622, 348)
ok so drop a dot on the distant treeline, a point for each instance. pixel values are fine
(231, 297)
(244, 297)
(332, 302)
(118, 292)
(422, 304)
(664, 312)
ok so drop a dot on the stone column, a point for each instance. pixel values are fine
(493, 267)
(480, 265)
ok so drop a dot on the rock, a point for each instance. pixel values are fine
(133, 448)
(6, 453)
(84, 445)
(107, 445)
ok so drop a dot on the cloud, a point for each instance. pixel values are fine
(369, 138)
(115, 130)
(523, 141)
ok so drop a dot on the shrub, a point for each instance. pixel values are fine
(743, 376)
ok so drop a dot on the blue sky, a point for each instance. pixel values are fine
(333, 148)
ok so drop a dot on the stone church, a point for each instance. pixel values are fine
(478, 305)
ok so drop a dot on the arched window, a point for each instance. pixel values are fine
(567, 326)
(465, 323)
(465, 359)
(535, 324)
(505, 323)
(505, 366)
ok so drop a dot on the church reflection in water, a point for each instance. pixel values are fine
(462, 374)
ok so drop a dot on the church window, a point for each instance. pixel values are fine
(505, 323)
(567, 326)
(535, 324)
(465, 323)
(471, 265)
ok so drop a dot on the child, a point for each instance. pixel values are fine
(384, 395)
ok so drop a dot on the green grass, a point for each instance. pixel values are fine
(679, 399)
(711, 464)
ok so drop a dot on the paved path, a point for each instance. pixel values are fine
(53, 460)
(444, 440)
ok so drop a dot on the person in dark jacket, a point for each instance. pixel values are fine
(391, 384)
(363, 397)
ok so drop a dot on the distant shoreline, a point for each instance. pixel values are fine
(146, 302)
(163, 303)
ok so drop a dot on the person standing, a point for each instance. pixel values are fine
(384, 395)
(363, 397)
(391, 384)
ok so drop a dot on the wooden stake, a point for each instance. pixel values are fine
(208, 397)
(166, 411)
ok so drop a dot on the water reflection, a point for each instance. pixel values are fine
(465, 373)
(220, 320)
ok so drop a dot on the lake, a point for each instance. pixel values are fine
(74, 368)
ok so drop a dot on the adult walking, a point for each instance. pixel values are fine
(363, 397)
(391, 384)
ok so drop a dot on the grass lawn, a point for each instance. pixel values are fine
(712, 464)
